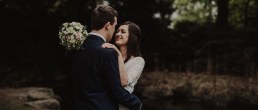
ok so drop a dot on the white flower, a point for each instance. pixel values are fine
(65, 24)
(72, 35)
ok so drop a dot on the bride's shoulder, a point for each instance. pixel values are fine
(138, 59)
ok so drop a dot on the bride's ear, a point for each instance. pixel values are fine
(107, 25)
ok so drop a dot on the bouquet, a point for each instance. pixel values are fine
(72, 35)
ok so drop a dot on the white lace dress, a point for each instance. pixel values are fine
(133, 67)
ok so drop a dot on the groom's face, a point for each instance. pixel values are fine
(111, 30)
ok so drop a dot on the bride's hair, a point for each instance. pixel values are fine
(134, 39)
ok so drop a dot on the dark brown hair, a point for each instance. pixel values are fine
(134, 39)
(101, 15)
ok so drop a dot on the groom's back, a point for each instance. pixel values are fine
(88, 68)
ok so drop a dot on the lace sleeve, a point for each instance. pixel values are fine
(135, 69)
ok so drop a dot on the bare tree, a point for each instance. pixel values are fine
(223, 9)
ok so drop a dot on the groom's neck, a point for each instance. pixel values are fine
(100, 32)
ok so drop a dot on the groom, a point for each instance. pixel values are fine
(97, 82)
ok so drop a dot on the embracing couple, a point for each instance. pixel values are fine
(105, 74)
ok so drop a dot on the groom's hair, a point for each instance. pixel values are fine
(102, 15)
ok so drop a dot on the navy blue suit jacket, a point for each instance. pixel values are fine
(97, 81)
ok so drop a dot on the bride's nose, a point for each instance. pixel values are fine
(118, 34)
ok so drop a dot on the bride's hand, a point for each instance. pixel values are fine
(108, 45)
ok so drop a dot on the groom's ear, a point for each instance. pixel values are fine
(107, 25)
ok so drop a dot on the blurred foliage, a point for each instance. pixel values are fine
(242, 12)
(200, 11)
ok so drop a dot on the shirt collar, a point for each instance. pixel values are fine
(96, 34)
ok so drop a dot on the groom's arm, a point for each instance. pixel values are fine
(113, 81)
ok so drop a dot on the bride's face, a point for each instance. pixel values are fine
(122, 35)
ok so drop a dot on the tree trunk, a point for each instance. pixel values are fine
(209, 66)
(222, 17)
(209, 63)
(256, 12)
(246, 12)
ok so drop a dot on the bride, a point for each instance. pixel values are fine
(131, 63)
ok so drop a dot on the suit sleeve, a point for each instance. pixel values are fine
(113, 81)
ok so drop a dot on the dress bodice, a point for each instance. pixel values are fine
(133, 67)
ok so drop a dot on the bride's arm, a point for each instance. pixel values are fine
(122, 71)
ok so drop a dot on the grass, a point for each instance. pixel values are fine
(219, 90)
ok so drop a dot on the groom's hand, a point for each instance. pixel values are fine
(140, 107)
